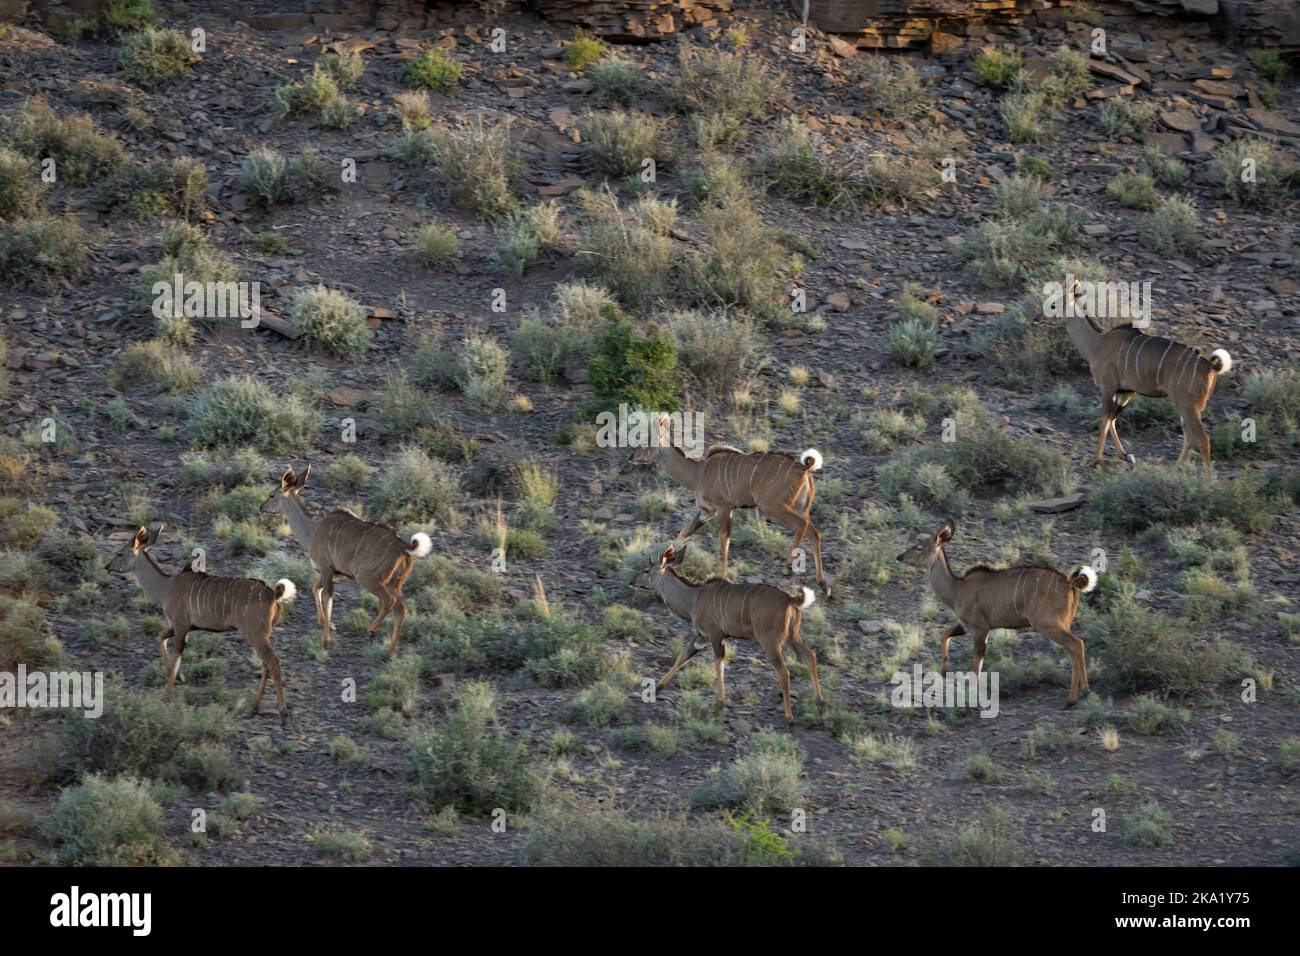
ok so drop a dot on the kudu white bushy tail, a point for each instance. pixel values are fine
(198, 601)
(779, 485)
(343, 545)
(1025, 596)
(719, 610)
(1126, 361)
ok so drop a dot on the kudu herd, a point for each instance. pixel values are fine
(1123, 360)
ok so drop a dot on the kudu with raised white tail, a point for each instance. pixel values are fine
(341, 545)
(1126, 361)
(718, 610)
(1024, 596)
(198, 601)
(778, 484)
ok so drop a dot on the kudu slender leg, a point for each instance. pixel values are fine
(808, 657)
(174, 666)
(399, 615)
(980, 648)
(386, 601)
(724, 532)
(325, 600)
(1107, 418)
(719, 668)
(801, 524)
(261, 688)
(946, 638)
(782, 675)
(689, 651)
(1073, 646)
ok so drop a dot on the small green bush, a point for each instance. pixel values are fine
(996, 67)
(238, 410)
(109, 822)
(437, 244)
(582, 52)
(81, 152)
(152, 58)
(417, 489)
(1151, 495)
(622, 141)
(1172, 228)
(432, 69)
(21, 187)
(157, 364)
(616, 82)
(332, 321)
(633, 366)
(38, 252)
(311, 94)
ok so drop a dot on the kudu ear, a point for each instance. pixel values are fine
(680, 556)
(153, 535)
(302, 481)
(667, 557)
(141, 540)
(287, 479)
(946, 532)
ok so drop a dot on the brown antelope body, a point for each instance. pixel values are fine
(341, 545)
(1126, 361)
(1025, 596)
(779, 485)
(719, 610)
(197, 601)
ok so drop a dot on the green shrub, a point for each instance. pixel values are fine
(270, 178)
(527, 234)
(109, 822)
(1131, 118)
(547, 346)
(741, 264)
(1255, 171)
(632, 255)
(1023, 115)
(475, 163)
(730, 88)
(718, 351)
(417, 489)
(346, 69)
(893, 86)
(332, 321)
(311, 94)
(583, 51)
(152, 58)
(24, 635)
(466, 759)
(988, 840)
(761, 781)
(432, 69)
(127, 15)
(347, 845)
(1147, 826)
(238, 410)
(633, 366)
(996, 67)
(40, 251)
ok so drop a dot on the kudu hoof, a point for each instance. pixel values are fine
(1131, 460)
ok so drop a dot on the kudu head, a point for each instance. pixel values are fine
(290, 485)
(124, 561)
(660, 437)
(658, 567)
(927, 547)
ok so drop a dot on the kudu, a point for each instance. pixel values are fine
(342, 545)
(1023, 596)
(1126, 361)
(779, 485)
(198, 601)
(718, 610)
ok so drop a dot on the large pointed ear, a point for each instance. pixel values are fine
(302, 480)
(153, 535)
(141, 540)
(946, 532)
(667, 557)
(287, 479)
(680, 556)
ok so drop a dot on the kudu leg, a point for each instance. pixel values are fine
(945, 639)
(980, 647)
(808, 657)
(174, 666)
(1108, 414)
(719, 668)
(724, 533)
(782, 675)
(387, 600)
(801, 524)
(689, 651)
(1073, 646)
(325, 603)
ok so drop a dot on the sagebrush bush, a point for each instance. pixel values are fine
(157, 364)
(893, 86)
(81, 152)
(616, 82)
(1255, 171)
(238, 410)
(1135, 190)
(718, 351)
(730, 88)
(270, 178)
(330, 320)
(1151, 495)
(762, 781)
(482, 371)
(40, 251)
(433, 70)
(466, 759)
(311, 94)
(476, 164)
(988, 840)
(582, 51)
(21, 186)
(437, 244)
(996, 67)
(138, 733)
(548, 345)
(621, 141)
(1172, 229)
(1001, 251)
(741, 266)
(1131, 118)
(416, 489)
(24, 634)
(109, 821)
(526, 235)
(1023, 115)
(632, 255)
(187, 254)
(152, 58)
(346, 69)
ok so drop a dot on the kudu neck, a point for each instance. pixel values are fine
(679, 595)
(943, 580)
(674, 461)
(151, 578)
(1085, 336)
(300, 519)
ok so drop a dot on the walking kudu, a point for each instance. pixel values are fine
(779, 485)
(719, 610)
(342, 545)
(1023, 596)
(1126, 361)
(198, 601)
